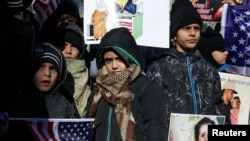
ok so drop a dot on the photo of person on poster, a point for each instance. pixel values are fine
(201, 129)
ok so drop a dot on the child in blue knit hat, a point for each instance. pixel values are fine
(41, 95)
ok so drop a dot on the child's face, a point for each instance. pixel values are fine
(46, 77)
(187, 37)
(220, 56)
(66, 18)
(70, 51)
(236, 103)
(203, 135)
(113, 62)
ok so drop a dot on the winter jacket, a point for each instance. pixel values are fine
(31, 103)
(16, 40)
(191, 85)
(147, 96)
(146, 106)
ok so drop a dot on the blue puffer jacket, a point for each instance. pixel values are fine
(191, 85)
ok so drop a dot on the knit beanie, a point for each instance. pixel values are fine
(46, 52)
(14, 6)
(69, 7)
(69, 32)
(210, 41)
(183, 13)
(121, 41)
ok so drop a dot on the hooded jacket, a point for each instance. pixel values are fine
(147, 101)
(210, 41)
(75, 37)
(54, 104)
(78, 74)
(191, 85)
(126, 43)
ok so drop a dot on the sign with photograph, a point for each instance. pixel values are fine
(241, 85)
(209, 10)
(185, 127)
(148, 21)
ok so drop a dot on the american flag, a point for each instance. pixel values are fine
(60, 129)
(237, 36)
(44, 8)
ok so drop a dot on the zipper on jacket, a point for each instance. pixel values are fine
(109, 123)
(190, 75)
(199, 95)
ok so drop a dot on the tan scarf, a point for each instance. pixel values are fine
(115, 89)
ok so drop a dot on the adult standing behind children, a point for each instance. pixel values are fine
(191, 84)
(69, 38)
(127, 105)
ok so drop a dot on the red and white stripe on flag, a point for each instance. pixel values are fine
(44, 8)
(61, 129)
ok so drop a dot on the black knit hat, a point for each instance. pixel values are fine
(47, 52)
(69, 7)
(14, 6)
(121, 41)
(183, 13)
(210, 40)
(69, 32)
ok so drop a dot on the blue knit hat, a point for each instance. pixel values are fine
(47, 52)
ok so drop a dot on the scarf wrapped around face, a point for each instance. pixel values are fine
(115, 89)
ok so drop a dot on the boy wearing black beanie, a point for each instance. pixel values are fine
(69, 38)
(191, 84)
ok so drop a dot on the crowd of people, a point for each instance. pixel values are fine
(46, 73)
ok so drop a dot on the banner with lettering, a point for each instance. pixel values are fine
(241, 85)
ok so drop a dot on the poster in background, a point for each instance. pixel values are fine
(212, 10)
(242, 86)
(182, 126)
(148, 21)
(209, 10)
